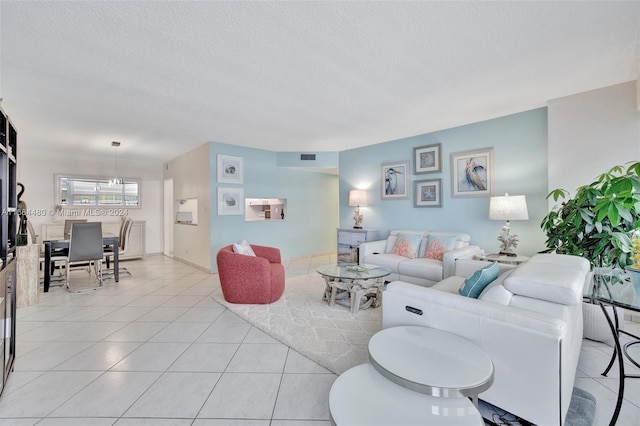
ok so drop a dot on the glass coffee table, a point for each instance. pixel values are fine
(613, 290)
(354, 286)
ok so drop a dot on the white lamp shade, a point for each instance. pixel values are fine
(357, 197)
(509, 207)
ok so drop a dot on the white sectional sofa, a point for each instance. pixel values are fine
(528, 320)
(419, 270)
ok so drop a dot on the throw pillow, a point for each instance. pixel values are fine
(473, 286)
(243, 248)
(407, 245)
(438, 245)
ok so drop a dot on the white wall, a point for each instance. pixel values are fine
(37, 168)
(191, 179)
(591, 132)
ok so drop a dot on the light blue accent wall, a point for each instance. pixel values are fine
(323, 159)
(520, 156)
(311, 215)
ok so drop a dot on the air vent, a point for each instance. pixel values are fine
(308, 157)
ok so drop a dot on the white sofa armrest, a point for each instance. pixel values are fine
(450, 257)
(371, 247)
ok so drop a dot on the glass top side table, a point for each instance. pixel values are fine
(611, 288)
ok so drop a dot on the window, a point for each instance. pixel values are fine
(87, 191)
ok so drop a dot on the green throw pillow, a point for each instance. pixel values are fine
(477, 282)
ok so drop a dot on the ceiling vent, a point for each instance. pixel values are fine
(307, 157)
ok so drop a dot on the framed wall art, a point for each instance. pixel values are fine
(230, 201)
(427, 159)
(472, 173)
(394, 179)
(427, 193)
(229, 169)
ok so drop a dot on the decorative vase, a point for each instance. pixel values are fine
(634, 275)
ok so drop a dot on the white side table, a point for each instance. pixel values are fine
(362, 397)
(431, 361)
(502, 258)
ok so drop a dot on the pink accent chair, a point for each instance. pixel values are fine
(248, 279)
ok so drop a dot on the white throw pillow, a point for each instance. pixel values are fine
(243, 248)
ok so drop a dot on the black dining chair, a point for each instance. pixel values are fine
(85, 247)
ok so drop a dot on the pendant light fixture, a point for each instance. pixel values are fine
(116, 180)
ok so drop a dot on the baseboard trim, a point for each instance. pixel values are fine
(186, 262)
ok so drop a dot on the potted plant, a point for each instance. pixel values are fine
(634, 269)
(597, 223)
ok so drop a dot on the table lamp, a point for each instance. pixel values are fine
(357, 198)
(508, 208)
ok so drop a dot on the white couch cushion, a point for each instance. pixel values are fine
(429, 269)
(449, 285)
(385, 260)
(553, 279)
(495, 292)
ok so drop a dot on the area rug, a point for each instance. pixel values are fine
(330, 335)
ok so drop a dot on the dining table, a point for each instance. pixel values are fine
(111, 241)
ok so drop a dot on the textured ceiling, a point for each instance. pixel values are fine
(166, 77)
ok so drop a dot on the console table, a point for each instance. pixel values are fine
(349, 240)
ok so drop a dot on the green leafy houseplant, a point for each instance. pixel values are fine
(597, 223)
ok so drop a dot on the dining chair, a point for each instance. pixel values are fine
(85, 246)
(123, 243)
(61, 255)
(68, 223)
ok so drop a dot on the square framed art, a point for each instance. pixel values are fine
(230, 169)
(230, 201)
(427, 159)
(427, 193)
(472, 173)
(394, 180)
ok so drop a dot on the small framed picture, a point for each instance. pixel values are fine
(428, 193)
(229, 169)
(230, 201)
(472, 173)
(427, 159)
(394, 180)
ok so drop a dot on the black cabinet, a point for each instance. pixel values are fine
(8, 231)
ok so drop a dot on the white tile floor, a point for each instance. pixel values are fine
(155, 349)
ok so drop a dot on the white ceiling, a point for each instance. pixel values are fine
(165, 77)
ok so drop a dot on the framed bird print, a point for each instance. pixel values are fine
(472, 173)
(394, 181)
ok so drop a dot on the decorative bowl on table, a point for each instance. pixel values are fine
(356, 268)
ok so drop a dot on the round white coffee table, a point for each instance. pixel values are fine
(430, 361)
(363, 397)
